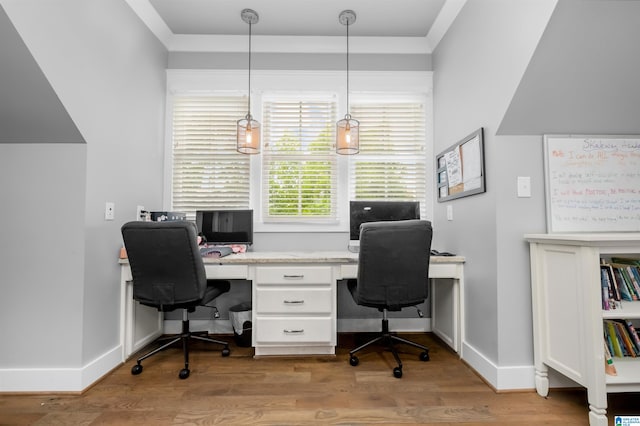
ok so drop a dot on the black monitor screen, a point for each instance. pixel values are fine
(376, 211)
(226, 226)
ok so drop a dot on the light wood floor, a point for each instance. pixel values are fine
(241, 390)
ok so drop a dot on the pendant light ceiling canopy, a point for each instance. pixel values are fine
(347, 129)
(248, 129)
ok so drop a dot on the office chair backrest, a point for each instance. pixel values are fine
(166, 266)
(393, 267)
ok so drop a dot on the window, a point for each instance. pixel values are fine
(299, 165)
(297, 183)
(208, 172)
(391, 164)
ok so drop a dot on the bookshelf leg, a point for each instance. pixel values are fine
(542, 382)
(597, 416)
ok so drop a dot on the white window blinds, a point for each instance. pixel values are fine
(208, 172)
(299, 166)
(391, 164)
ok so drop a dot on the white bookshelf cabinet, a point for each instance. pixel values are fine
(568, 315)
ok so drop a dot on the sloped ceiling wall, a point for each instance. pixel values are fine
(584, 75)
(30, 111)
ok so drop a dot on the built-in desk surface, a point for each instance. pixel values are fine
(320, 270)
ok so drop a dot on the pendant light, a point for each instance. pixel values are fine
(347, 129)
(248, 129)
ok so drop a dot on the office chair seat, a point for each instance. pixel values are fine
(168, 274)
(393, 272)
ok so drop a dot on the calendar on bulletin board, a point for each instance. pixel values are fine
(460, 168)
(592, 183)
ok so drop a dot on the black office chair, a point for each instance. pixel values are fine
(393, 273)
(168, 274)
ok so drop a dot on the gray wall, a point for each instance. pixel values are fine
(112, 83)
(42, 254)
(477, 68)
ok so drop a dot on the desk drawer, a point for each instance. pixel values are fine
(293, 275)
(294, 300)
(227, 272)
(294, 330)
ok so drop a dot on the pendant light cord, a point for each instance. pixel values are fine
(347, 67)
(249, 97)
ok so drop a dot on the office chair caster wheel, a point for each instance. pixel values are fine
(397, 372)
(136, 369)
(353, 360)
(184, 373)
(424, 356)
(226, 352)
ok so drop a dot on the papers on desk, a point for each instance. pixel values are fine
(215, 251)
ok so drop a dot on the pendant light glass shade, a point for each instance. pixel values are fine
(248, 136)
(347, 136)
(347, 129)
(248, 129)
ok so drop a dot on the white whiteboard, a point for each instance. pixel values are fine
(592, 183)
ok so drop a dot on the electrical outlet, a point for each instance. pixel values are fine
(139, 210)
(449, 212)
(109, 211)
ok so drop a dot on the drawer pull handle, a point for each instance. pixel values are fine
(294, 302)
(289, 331)
(294, 277)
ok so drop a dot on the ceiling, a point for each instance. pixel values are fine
(381, 26)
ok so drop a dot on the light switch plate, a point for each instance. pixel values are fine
(524, 186)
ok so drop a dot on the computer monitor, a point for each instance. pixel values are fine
(226, 226)
(374, 211)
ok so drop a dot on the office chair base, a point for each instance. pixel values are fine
(389, 339)
(184, 337)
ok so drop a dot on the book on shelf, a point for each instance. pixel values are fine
(609, 368)
(626, 260)
(611, 281)
(631, 273)
(615, 341)
(607, 293)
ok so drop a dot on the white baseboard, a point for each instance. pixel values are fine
(517, 377)
(59, 379)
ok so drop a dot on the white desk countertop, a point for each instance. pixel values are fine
(256, 257)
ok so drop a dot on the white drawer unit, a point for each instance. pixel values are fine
(293, 311)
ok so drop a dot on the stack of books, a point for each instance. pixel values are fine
(620, 279)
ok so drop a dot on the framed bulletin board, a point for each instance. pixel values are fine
(592, 183)
(460, 168)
